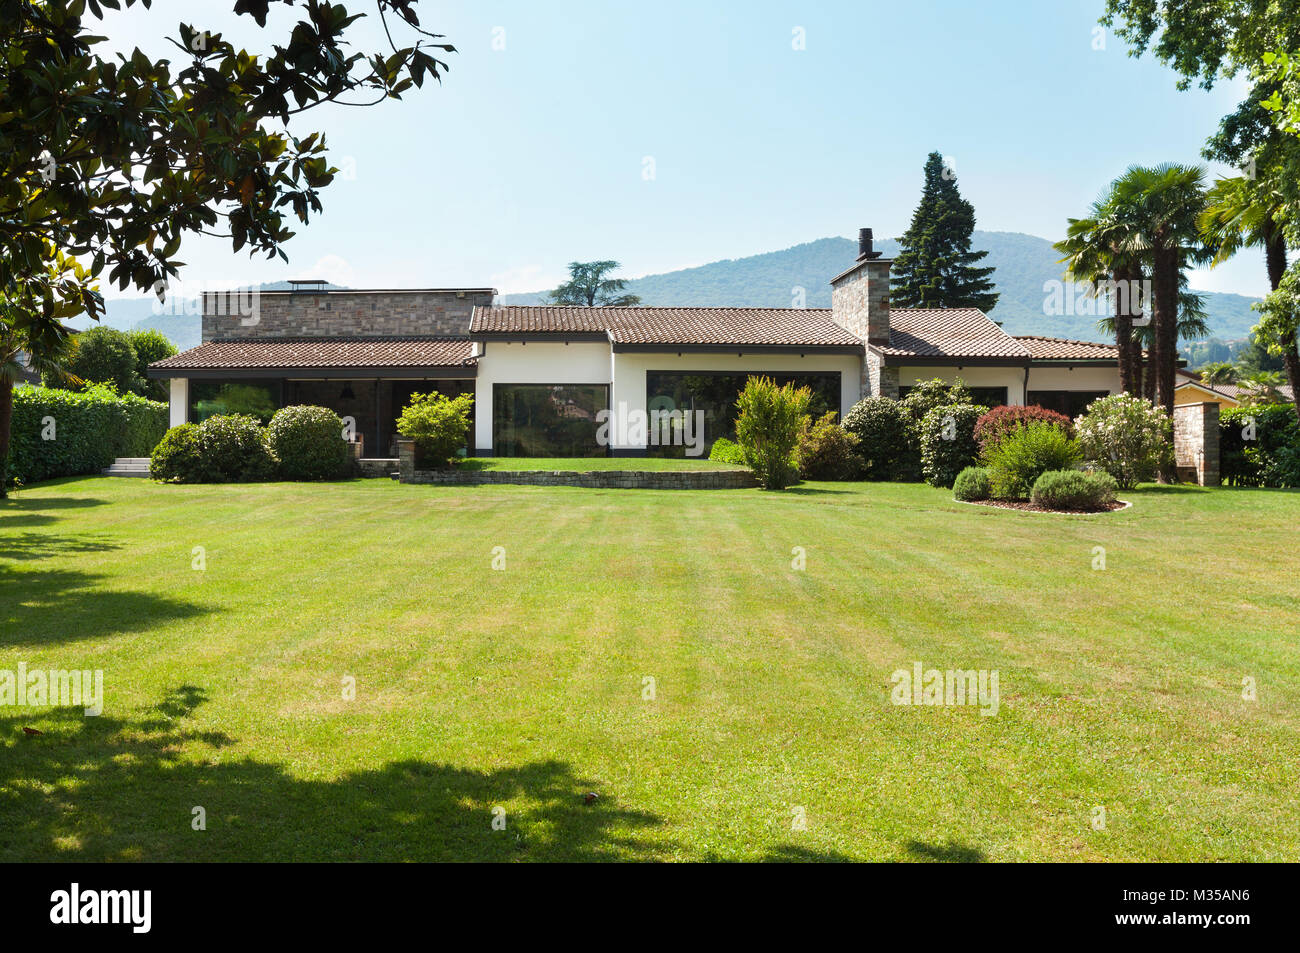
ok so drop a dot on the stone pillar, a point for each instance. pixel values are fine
(1196, 442)
(405, 460)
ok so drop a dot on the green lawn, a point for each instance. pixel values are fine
(523, 688)
(592, 463)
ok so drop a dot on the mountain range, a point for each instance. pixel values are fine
(1023, 263)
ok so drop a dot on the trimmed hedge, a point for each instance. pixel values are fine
(1272, 458)
(972, 485)
(948, 442)
(308, 442)
(1074, 490)
(90, 429)
(1000, 421)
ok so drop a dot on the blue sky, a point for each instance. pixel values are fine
(536, 149)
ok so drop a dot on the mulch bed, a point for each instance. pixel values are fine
(1035, 508)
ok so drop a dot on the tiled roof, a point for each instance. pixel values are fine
(1237, 392)
(949, 333)
(1046, 348)
(322, 352)
(797, 327)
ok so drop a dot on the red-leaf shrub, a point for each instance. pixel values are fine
(1000, 421)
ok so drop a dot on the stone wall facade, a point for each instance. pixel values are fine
(306, 314)
(1196, 442)
(877, 379)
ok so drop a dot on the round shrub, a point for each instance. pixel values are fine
(1073, 490)
(1017, 460)
(308, 442)
(972, 484)
(438, 424)
(1126, 436)
(234, 450)
(178, 458)
(883, 429)
(826, 451)
(1000, 421)
(726, 451)
(948, 442)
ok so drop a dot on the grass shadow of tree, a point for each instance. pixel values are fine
(95, 789)
(951, 852)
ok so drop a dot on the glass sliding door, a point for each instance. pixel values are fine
(547, 420)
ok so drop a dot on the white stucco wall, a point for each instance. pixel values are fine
(179, 401)
(631, 367)
(1012, 378)
(1078, 378)
(537, 362)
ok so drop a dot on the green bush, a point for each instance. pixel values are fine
(100, 355)
(178, 458)
(925, 396)
(767, 428)
(1017, 461)
(948, 442)
(438, 424)
(234, 450)
(882, 427)
(826, 451)
(1000, 421)
(1260, 446)
(972, 484)
(1074, 490)
(150, 345)
(57, 432)
(308, 442)
(1127, 437)
(726, 451)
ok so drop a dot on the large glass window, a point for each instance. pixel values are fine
(1072, 403)
(715, 394)
(545, 420)
(257, 398)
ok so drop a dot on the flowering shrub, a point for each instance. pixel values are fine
(1000, 421)
(1128, 437)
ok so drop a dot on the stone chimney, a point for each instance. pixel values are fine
(860, 295)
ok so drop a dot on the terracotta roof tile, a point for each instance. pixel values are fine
(949, 332)
(322, 352)
(811, 327)
(1046, 348)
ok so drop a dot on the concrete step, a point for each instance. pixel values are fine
(128, 467)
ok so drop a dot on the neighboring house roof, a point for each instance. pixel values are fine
(637, 326)
(319, 355)
(1235, 392)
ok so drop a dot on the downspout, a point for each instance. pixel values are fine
(1024, 393)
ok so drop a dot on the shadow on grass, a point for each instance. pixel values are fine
(1169, 489)
(56, 606)
(19, 502)
(93, 789)
(44, 545)
(946, 853)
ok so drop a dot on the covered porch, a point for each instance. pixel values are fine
(366, 382)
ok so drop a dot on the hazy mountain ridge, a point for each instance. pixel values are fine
(773, 280)
(1023, 263)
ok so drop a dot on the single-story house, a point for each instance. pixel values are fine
(1190, 389)
(544, 378)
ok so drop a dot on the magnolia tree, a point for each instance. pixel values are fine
(1127, 437)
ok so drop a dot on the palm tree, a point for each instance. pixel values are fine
(1263, 388)
(1245, 213)
(1219, 372)
(1162, 205)
(1101, 251)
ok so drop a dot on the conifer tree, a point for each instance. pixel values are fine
(935, 267)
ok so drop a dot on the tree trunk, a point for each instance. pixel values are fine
(1124, 329)
(1275, 258)
(6, 418)
(1164, 360)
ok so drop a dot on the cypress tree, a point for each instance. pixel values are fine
(935, 267)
